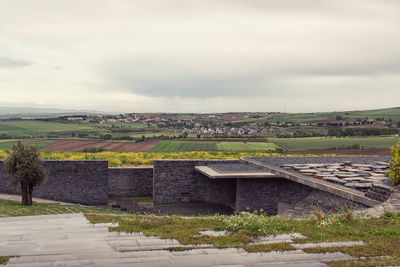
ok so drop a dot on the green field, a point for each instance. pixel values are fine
(293, 144)
(35, 128)
(155, 134)
(134, 125)
(387, 113)
(290, 144)
(39, 129)
(7, 144)
(183, 146)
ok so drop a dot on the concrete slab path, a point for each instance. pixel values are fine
(70, 240)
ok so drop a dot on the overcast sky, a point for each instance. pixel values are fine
(200, 56)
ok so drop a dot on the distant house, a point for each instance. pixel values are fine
(74, 118)
(329, 122)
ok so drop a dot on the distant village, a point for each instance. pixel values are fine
(233, 125)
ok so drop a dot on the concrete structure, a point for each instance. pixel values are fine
(255, 183)
(177, 181)
(245, 184)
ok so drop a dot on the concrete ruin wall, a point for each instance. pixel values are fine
(269, 194)
(78, 181)
(176, 181)
(90, 182)
(126, 182)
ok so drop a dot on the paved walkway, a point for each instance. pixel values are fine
(69, 239)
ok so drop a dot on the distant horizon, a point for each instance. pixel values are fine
(62, 111)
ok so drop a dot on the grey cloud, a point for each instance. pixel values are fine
(195, 87)
(6, 62)
(292, 76)
(160, 79)
(353, 69)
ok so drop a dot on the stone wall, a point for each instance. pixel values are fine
(126, 182)
(268, 194)
(176, 181)
(265, 194)
(76, 181)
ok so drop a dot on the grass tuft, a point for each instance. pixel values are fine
(269, 247)
(4, 259)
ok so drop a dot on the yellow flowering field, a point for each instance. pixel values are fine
(116, 159)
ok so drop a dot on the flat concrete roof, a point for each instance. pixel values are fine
(215, 174)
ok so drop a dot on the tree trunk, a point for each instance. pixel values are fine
(25, 194)
(30, 191)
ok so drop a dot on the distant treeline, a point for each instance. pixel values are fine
(5, 136)
(339, 132)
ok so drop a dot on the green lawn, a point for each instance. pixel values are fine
(293, 144)
(35, 128)
(11, 209)
(185, 146)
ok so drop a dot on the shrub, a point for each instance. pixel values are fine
(83, 135)
(93, 150)
(254, 223)
(317, 213)
(347, 213)
(5, 136)
(328, 221)
(106, 137)
(394, 173)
